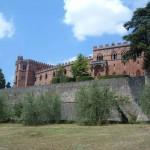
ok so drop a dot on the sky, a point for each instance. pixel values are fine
(55, 31)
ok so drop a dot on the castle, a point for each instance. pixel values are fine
(106, 60)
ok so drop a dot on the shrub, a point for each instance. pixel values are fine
(5, 111)
(62, 79)
(112, 76)
(17, 111)
(145, 100)
(41, 109)
(94, 104)
(55, 80)
(84, 78)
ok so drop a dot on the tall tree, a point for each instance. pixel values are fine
(139, 35)
(8, 85)
(80, 67)
(2, 80)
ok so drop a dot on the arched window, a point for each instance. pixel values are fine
(99, 57)
(54, 74)
(46, 76)
(16, 79)
(114, 56)
(65, 71)
(40, 77)
(24, 67)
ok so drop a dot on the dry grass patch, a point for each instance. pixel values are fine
(73, 137)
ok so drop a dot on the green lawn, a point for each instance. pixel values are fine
(74, 137)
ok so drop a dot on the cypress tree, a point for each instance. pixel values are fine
(2, 80)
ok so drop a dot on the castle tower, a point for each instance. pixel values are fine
(26, 70)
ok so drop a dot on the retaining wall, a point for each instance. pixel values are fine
(130, 87)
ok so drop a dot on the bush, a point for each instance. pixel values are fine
(145, 100)
(5, 111)
(112, 76)
(55, 80)
(94, 104)
(62, 79)
(41, 109)
(84, 78)
(17, 111)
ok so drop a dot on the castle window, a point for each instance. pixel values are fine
(46, 76)
(99, 57)
(16, 80)
(40, 77)
(65, 71)
(114, 56)
(54, 74)
(24, 67)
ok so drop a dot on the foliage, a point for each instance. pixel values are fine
(94, 104)
(17, 111)
(139, 35)
(84, 78)
(145, 100)
(2, 80)
(63, 80)
(113, 76)
(5, 112)
(41, 109)
(8, 85)
(80, 67)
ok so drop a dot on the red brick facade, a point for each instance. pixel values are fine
(106, 60)
(25, 74)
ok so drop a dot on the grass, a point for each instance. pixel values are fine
(74, 137)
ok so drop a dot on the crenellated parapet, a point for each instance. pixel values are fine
(110, 46)
(54, 67)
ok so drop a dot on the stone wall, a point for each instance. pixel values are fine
(130, 87)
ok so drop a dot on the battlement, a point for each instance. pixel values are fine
(58, 65)
(20, 59)
(110, 46)
(54, 67)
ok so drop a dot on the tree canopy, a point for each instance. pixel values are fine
(139, 35)
(8, 85)
(80, 67)
(2, 80)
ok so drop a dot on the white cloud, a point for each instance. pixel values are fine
(134, 4)
(96, 17)
(74, 58)
(6, 27)
(70, 59)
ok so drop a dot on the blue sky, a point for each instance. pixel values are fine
(54, 31)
